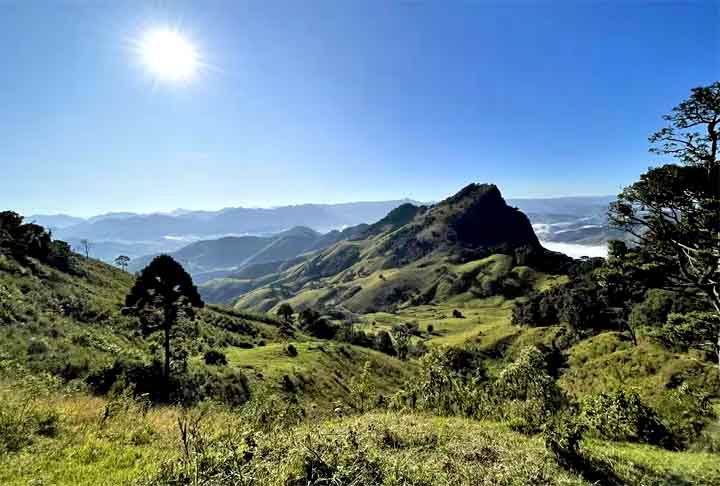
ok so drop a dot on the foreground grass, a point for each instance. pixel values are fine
(89, 449)
(122, 441)
(647, 465)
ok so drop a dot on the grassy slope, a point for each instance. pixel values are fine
(404, 448)
(130, 444)
(322, 371)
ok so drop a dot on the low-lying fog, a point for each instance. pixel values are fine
(576, 251)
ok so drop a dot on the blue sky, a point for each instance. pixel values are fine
(338, 101)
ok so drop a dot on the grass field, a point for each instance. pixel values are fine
(321, 372)
(394, 448)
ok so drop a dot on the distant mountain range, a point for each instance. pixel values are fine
(135, 234)
(576, 225)
(208, 259)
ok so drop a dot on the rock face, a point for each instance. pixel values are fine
(483, 219)
(476, 220)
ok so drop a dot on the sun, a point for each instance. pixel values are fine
(168, 55)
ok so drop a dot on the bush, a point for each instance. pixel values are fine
(338, 460)
(20, 420)
(37, 347)
(691, 330)
(622, 416)
(215, 357)
(686, 413)
(383, 343)
(321, 328)
(189, 387)
(657, 305)
(529, 394)
(563, 435)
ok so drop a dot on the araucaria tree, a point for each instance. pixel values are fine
(85, 245)
(162, 293)
(122, 261)
(674, 209)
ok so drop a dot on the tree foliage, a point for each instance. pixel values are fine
(21, 241)
(162, 292)
(122, 261)
(285, 312)
(674, 210)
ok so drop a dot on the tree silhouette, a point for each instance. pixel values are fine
(122, 261)
(163, 291)
(85, 246)
(285, 311)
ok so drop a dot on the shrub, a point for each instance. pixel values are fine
(657, 304)
(383, 343)
(438, 384)
(563, 435)
(529, 393)
(285, 311)
(321, 328)
(361, 389)
(231, 387)
(20, 420)
(338, 460)
(622, 416)
(686, 413)
(287, 384)
(37, 347)
(694, 329)
(215, 357)
(189, 387)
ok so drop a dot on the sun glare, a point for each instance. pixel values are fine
(168, 55)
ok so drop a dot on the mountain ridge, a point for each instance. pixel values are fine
(402, 258)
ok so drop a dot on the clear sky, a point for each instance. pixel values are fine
(310, 101)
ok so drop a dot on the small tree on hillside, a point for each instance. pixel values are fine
(85, 246)
(674, 210)
(361, 388)
(401, 334)
(161, 293)
(122, 261)
(383, 343)
(285, 312)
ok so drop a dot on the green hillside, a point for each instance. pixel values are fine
(413, 256)
(64, 330)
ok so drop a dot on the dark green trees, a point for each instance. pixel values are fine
(21, 239)
(674, 210)
(162, 292)
(285, 312)
(122, 261)
(28, 240)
